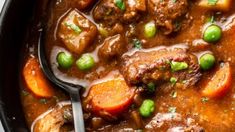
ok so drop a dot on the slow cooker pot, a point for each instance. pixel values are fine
(14, 18)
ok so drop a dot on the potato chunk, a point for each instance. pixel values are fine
(220, 5)
(77, 32)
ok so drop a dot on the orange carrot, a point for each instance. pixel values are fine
(35, 80)
(112, 96)
(220, 83)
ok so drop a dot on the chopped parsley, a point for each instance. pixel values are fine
(190, 71)
(177, 25)
(173, 94)
(173, 80)
(172, 109)
(204, 99)
(25, 93)
(137, 43)
(43, 101)
(151, 87)
(133, 106)
(108, 12)
(184, 81)
(212, 2)
(103, 31)
(173, 1)
(177, 66)
(211, 19)
(74, 27)
(120, 4)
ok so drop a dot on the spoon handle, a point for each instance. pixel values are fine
(77, 112)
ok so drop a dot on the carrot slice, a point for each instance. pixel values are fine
(112, 96)
(220, 82)
(35, 80)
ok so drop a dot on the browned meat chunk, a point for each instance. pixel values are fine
(156, 65)
(108, 12)
(134, 8)
(83, 4)
(112, 47)
(77, 32)
(167, 13)
(165, 121)
(53, 119)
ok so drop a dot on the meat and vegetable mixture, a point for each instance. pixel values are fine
(145, 65)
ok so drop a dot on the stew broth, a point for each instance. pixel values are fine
(179, 103)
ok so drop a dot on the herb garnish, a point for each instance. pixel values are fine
(212, 19)
(212, 2)
(137, 43)
(43, 101)
(151, 87)
(25, 93)
(172, 109)
(173, 94)
(74, 27)
(177, 66)
(204, 99)
(120, 4)
(173, 80)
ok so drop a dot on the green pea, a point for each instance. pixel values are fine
(177, 66)
(150, 30)
(85, 62)
(207, 61)
(147, 108)
(65, 60)
(151, 87)
(212, 33)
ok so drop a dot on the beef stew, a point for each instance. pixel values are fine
(145, 65)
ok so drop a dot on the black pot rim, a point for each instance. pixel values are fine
(3, 116)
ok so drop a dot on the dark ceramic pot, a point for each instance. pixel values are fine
(15, 16)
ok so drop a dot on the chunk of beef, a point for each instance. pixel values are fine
(83, 4)
(193, 128)
(53, 119)
(161, 119)
(112, 47)
(172, 122)
(154, 65)
(134, 8)
(167, 13)
(108, 13)
(77, 32)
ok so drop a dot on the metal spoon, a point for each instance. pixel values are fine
(72, 89)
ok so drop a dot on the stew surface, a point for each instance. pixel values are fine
(145, 65)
